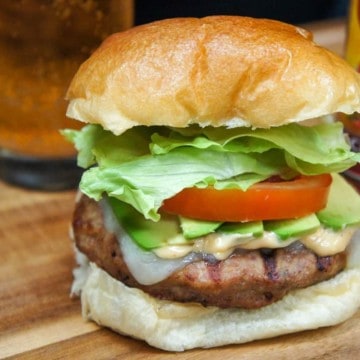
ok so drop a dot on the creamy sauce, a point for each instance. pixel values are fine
(173, 251)
(150, 267)
(146, 267)
(323, 242)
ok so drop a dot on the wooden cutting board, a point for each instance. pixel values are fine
(38, 319)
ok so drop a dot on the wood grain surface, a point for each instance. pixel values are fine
(39, 320)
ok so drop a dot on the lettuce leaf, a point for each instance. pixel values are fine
(96, 145)
(146, 165)
(308, 150)
(147, 181)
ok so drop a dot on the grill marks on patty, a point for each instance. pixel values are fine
(270, 265)
(246, 279)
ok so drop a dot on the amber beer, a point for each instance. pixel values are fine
(352, 55)
(42, 44)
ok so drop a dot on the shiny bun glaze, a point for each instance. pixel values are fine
(219, 71)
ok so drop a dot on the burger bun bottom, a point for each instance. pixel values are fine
(175, 326)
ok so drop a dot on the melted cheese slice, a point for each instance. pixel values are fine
(150, 267)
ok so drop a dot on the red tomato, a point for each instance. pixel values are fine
(263, 201)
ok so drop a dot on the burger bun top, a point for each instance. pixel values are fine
(215, 71)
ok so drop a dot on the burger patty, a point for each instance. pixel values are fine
(246, 279)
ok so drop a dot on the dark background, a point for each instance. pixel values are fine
(292, 11)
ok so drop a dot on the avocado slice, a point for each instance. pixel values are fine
(254, 228)
(343, 206)
(343, 209)
(146, 233)
(195, 228)
(293, 227)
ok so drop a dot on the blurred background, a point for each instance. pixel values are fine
(42, 44)
(290, 11)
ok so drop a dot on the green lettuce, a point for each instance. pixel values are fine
(98, 146)
(148, 180)
(146, 165)
(308, 150)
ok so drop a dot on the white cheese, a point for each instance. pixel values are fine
(150, 267)
(146, 267)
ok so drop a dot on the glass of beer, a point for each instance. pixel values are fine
(42, 44)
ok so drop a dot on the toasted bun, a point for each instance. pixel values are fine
(176, 327)
(219, 71)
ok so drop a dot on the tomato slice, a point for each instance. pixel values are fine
(262, 201)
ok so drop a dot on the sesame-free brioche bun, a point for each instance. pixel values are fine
(218, 71)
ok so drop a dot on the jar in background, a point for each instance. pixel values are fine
(42, 44)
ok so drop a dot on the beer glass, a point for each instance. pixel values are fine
(42, 44)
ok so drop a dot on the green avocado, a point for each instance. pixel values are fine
(285, 229)
(195, 228)
(254, 228)
(343, 207)
(146, 233)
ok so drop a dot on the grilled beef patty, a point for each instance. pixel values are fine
(246, 279)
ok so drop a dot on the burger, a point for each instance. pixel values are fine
(212, 209)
